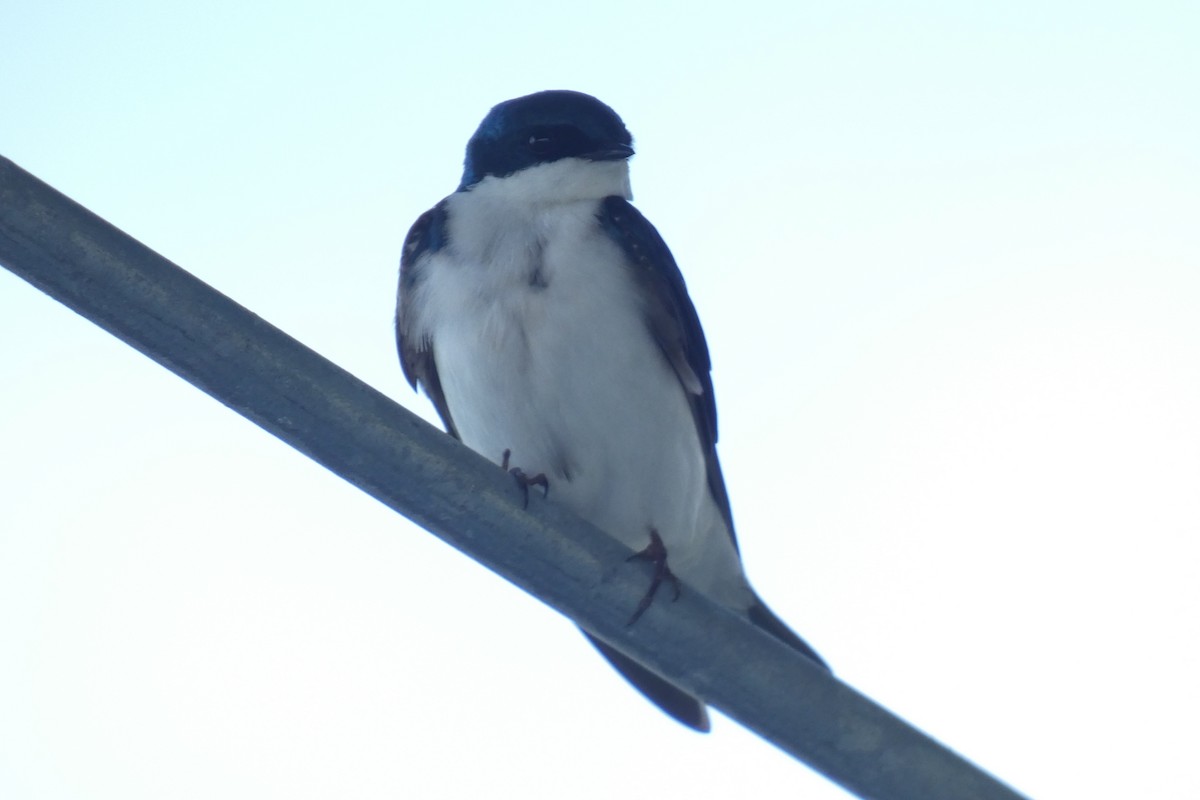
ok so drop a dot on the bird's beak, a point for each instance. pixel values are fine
(614, 152)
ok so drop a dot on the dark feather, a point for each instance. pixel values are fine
(766, 620)
(675, 326)
(673, 322)
(674, 701)
(427, 235)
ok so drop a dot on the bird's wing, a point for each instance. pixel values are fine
(426, 237)
(673, 323)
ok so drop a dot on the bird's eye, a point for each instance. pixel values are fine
(540, 144)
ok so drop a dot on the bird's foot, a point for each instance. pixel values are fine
(656, 554)
(525, 481)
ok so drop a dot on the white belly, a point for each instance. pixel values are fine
(562, 371)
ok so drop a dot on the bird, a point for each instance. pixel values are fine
(547, 321)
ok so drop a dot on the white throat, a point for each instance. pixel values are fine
(564, 181)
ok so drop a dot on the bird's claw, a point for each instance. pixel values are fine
(524, 480)
(656, 554)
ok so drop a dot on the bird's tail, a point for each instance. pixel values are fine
(671, 699)
(764, 618)
(677, 703)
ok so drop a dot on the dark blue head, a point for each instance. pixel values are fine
(540, 128)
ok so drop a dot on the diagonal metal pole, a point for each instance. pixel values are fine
(366, 438)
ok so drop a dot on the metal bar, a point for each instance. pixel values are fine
(358, 433)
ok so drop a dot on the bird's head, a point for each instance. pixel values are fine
(542, 128)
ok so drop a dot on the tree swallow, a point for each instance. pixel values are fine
(547, 321)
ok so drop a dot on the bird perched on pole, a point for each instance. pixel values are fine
(546, 319)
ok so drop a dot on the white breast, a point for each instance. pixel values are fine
(542, 349)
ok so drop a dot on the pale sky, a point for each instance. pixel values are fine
(948, 262)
